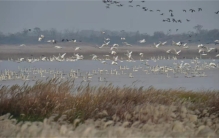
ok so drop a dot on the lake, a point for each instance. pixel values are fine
(198, 75)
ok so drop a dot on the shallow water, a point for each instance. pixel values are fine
(160, 81)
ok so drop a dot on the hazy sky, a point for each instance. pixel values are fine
(89, 14)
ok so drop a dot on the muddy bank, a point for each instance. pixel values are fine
(35, 51)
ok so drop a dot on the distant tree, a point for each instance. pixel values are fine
(37, 30)
(96, 37)
(159, 35)
(53, 33)
(198, 28)
(25, 32)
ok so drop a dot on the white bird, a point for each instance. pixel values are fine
(201, 45)
(142, 41)
(177, 52)
(78, 57)
(94, 57)
(116, 58)
(21, 59)
(22, 45)
(127, 44)
(122, 38)
(157, 45)
(113, 52)
(216, 42)
(39, 39)
(217, 55)
(114, 63)
(210, 49)
(178, 44)
(77, 48)
(107, 39)
(168, 51)
(58, 47)
(114, 45)
(201, 50)
(185, 47)
(43, 59)
(212, 65)
(141, 54)
(129, 54)
(102, 45)
(53, 41)
(130, 75)
(62, 56)
(107, 43)
(164, 43)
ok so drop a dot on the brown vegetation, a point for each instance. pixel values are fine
(107, 106)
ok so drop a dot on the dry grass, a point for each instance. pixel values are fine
(52, 97)
(106, 111)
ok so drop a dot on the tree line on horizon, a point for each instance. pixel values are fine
(30, 36)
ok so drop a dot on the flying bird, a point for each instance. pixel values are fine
(77, 48)
(192, 10)
(58, 47)
(142, 41)
(199, 9)
(171, 14)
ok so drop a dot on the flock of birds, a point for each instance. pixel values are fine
(131, 5)
(202, 50)
(193, 69)
(119, 66)
(189, 68)
(170, 17)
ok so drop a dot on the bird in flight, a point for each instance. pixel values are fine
(192, 10)
(171, 15)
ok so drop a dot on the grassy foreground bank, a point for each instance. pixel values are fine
(106, 111)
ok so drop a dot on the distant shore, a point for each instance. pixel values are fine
(16, 51)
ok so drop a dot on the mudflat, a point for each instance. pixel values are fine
(16, 51)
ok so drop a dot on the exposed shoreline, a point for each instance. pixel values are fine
(14, 52)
